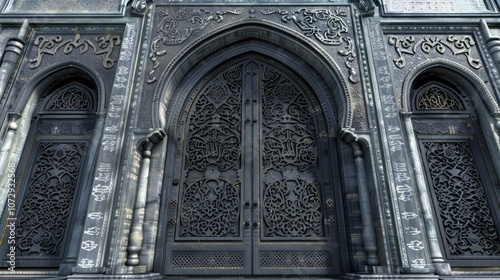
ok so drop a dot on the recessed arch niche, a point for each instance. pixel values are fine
(247, 168)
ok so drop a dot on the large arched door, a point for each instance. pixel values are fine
(254, 177)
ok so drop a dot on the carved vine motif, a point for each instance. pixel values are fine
(408, 45)
(101, 46)
(328, 27)
(289, 141)
(466, 217)
(46, 208)
(292, 208)
(210, 208)
(70, 98)
(215, 125)
(177, 27)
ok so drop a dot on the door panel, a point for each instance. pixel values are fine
(252, 195)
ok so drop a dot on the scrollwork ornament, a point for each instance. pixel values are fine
(292, 208)
(466, 219)
(330, 28)
(177, 26)
(46, 208)
(210, 208)
(101, 45)
(409, 45)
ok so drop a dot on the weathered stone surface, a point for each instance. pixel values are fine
(438, 6)
(64, 7)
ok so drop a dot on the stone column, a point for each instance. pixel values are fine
(369, 237)
(11, 55)
(136, 234)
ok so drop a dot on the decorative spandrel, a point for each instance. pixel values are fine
(292, 207)
(210, 204)
(463, 208)
(43, 220)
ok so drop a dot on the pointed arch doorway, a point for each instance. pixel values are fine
(254, 177)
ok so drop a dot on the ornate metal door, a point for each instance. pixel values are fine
(254, 193)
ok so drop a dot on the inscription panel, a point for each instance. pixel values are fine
(438, 6)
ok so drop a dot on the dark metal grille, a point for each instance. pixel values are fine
(466, 218)
(208, 260)
(288, 259)
(442, 127)
(66, 126)
(44, 216)
(70, 98)
(437, 98)
(210, 205)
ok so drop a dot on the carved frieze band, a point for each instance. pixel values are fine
(100, 45)
(409, 45)
(328, 27)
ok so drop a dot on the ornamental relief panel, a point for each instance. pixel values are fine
(329, 30)
(104, 47)
(404, 52)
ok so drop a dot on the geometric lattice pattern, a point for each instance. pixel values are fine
(268, 259)
(207, 260)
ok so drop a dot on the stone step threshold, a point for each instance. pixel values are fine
(348, 276)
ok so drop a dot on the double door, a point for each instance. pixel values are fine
(255, 192)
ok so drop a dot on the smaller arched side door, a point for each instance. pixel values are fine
(254, 177)
(459, 174)
(49, 177)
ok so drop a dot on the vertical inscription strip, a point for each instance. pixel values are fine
(409, 224)
(90, 258)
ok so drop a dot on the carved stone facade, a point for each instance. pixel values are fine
(349, 139)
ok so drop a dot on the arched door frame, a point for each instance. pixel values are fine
(176, 93)
(487, 110)
(21, 115)
(284, 45)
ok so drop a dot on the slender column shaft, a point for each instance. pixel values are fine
(441, 267)
(11, 56)
(369, 238)
(136, 234)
